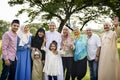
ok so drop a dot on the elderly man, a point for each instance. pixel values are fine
(93, 49)
(109, 59)
(53, 35)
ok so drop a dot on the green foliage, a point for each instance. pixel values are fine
(64, 9)
(33, 30)
(118, 40)
(4, 26)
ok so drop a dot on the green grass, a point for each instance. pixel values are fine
(87, 77)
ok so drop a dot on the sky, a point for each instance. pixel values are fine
(8, 13)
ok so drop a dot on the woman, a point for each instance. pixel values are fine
(23, 69)
(109, 66)
(80, 53)
(38, 55)
(67, 58)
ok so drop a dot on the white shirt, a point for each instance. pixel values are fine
(53, 36)
(93, 43)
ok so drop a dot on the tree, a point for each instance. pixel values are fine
(4, 26)
(62, 9)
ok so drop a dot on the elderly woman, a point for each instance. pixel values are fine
(23, 69)
(109, 60)
(67, 58)
(80, 55)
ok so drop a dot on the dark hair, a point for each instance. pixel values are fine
(39, 30)
(15, 21)
(53, 42)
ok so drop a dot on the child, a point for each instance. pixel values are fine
(37, 65)
(52, 63)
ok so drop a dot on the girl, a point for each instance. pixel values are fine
(37, 65)
(52, 62)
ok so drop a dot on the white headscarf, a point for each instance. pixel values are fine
(24, 37)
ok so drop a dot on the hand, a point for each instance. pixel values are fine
(7, 62)
(71, 46)
(28, 46)
(96, 58)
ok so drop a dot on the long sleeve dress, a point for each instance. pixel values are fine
(23, 68)
(37, 68)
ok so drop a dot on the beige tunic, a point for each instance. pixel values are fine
(37, 69)
(109, 59)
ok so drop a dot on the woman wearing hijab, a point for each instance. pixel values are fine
(67, 58)
(38, 55)
(23, 69)
(80, 55)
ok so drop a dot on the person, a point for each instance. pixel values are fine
(80, 55)
(109, 59)
(52, 64)
(116, 25)
(9, 45)
(38, 55)
(23, 68)
(53, 35)
(67, 58)
(37, 41)
(93, 50)
(37, 65)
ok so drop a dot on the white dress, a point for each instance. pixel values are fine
(53, 64)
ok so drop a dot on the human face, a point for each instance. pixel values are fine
(89, 32)
(40, 34)
(26, 29)
(14, 27)
(65, 32)
(106, 27)
(76, 32)
(52, 28)
(52, 47)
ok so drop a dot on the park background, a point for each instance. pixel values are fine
(73, 13)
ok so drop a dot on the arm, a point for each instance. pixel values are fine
(20, 48)
(99, 48)
(117, 30)
(43, 45)
(5, 43)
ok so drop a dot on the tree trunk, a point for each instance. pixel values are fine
(63, 23)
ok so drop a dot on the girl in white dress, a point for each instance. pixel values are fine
(52, 65)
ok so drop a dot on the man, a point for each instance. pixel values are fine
(53, 35)
(9, 45)
(109, 65)
(93, 49)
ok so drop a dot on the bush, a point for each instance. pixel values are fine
(118, 40)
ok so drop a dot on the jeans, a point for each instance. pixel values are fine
(8, 72)
(93, 65)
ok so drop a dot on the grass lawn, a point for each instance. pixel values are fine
(87, 77)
